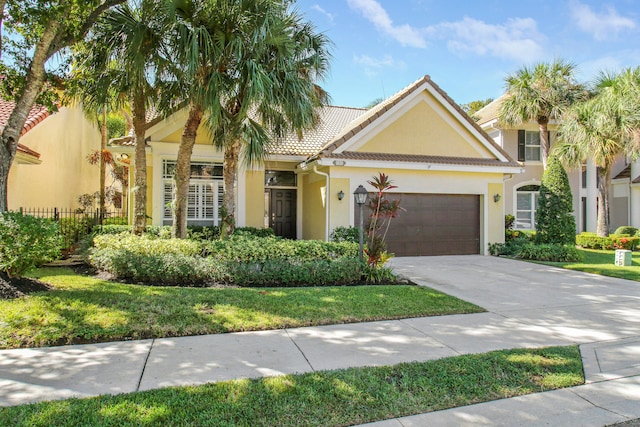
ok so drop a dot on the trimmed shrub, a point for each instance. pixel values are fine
(613, 241)
(26, 242)
(241, 248)
(552, 252)
(345, 234)
(253, 231)
(341, 271)
(626, 229)
(145, 245)
(158, 268)
(554, 221)
(241, 259)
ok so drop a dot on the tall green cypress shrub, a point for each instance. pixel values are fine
(554, 220)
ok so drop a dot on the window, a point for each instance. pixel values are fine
(529, 145)
(279, 179)
(205, 193)
(526, 205)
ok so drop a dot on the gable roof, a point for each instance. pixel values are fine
(373, 115)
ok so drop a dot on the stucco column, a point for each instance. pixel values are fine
(592, 196)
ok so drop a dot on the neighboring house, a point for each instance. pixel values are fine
(521, 191)
(449, 173)
(51, 168)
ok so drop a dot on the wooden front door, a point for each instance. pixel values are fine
(282, 212)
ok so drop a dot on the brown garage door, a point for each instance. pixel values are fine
(436, 224)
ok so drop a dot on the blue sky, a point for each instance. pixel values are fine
(467, 47)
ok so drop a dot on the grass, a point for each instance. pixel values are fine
(330, 398)
(601, 262)
(83, 309)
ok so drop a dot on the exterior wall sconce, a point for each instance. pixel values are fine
(340, 195)
(496, 197)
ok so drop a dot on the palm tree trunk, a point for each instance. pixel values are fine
(604, 178)
(140, 163)
(183, 171)
(545, 144)
(230, 170)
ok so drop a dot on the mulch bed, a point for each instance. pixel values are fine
(15, 287)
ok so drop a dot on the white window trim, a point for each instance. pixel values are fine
(515, 204)
(539, 145)
(199, 183)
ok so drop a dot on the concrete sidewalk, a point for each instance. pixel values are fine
(529, 306)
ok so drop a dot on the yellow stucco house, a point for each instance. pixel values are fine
(449, 175)
(50, 169)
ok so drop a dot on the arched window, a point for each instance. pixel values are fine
(526, 205)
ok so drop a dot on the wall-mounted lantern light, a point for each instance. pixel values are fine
(340, 195)
(496, 197)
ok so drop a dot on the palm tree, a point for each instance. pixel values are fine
(540, 93)
(98, 97)
(126, 52)
(270, 89)
(249, 70)
(601, 129)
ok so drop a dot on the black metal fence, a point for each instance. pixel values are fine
(76, 223)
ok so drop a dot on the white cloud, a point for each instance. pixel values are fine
(406, 35)
(517, 39)
(318, 8)
(372, 66)
(601, 26)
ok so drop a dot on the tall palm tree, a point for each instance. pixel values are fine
(91, 88)
(540, 93)
(249, 70)
(271, 89)
(601, 129)
(127, 45)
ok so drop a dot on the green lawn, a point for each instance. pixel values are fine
(83, 309)
(331, 398)
(602, 262)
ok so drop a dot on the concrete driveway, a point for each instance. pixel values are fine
(598, 312)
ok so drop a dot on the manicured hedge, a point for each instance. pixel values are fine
(524, 249)
(611, 242)
(240, 260)
(242, 248)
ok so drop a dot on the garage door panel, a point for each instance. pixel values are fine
(436, 224)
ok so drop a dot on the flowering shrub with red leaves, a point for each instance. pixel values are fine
(383, 211)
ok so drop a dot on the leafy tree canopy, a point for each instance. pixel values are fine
(474, 106)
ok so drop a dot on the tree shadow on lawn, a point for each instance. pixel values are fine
(329, 398)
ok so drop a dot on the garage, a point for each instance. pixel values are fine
(435, 224)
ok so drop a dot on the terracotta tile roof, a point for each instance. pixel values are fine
(470, 161)
(376, 112)
(37, 114)
(332, 121)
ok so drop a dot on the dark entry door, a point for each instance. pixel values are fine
(282, 212)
